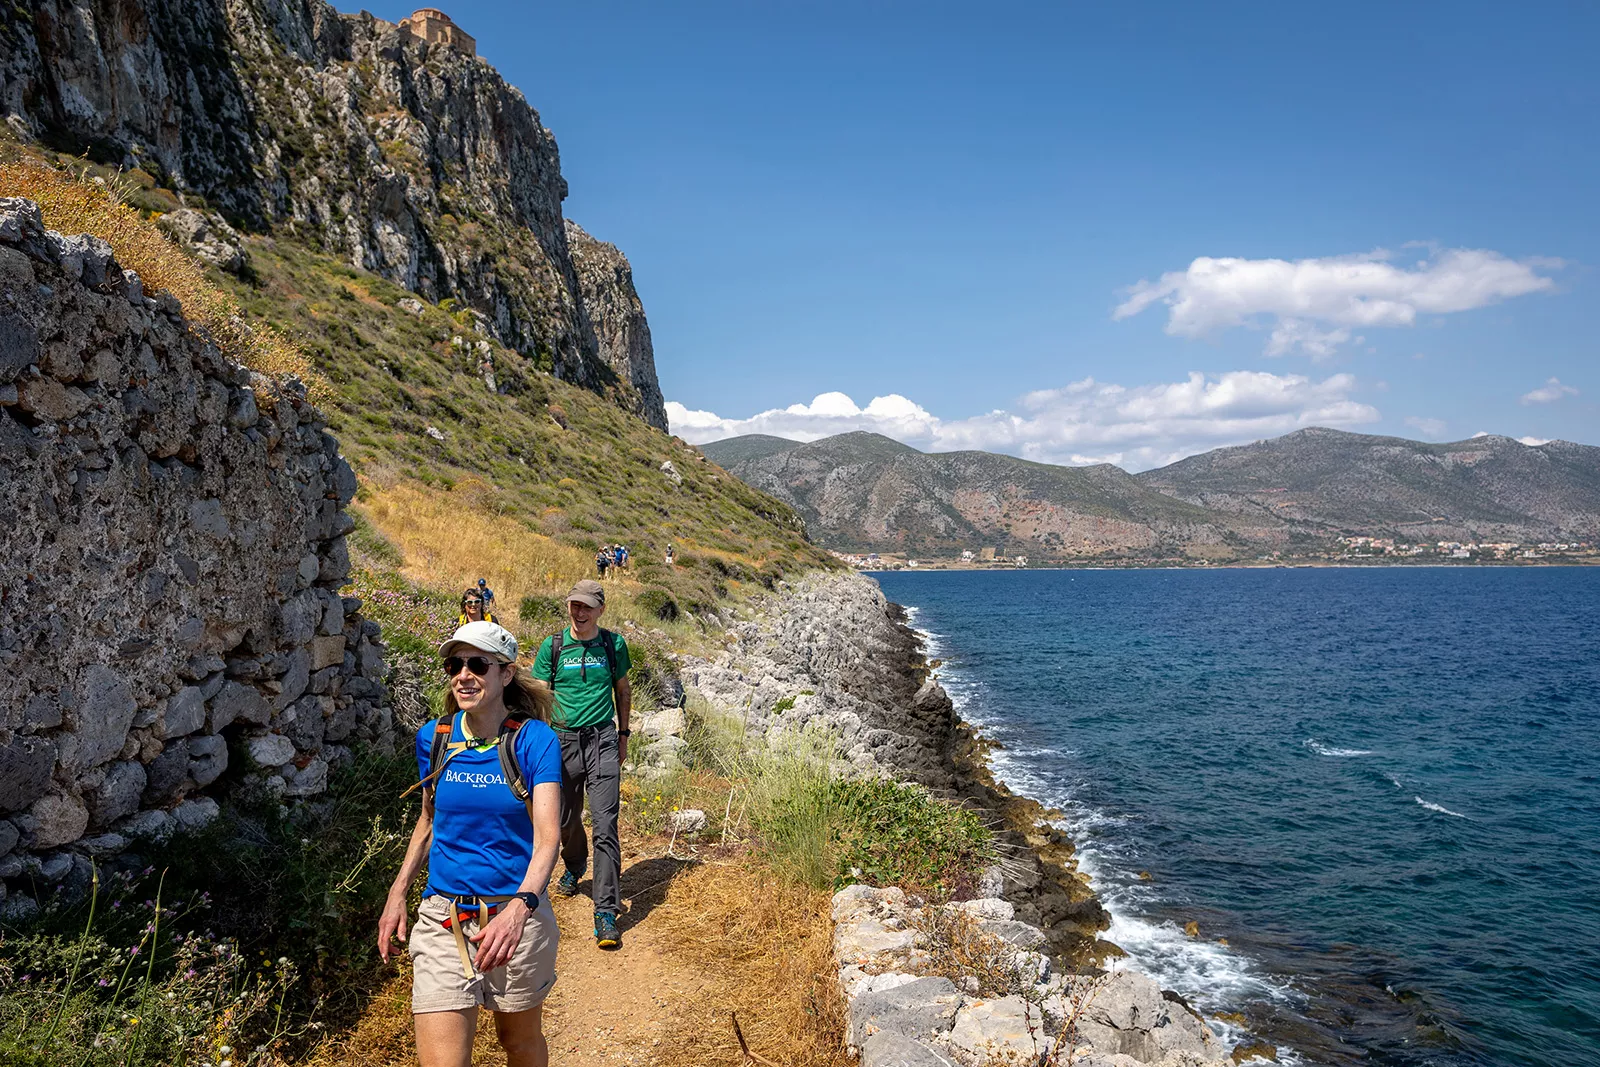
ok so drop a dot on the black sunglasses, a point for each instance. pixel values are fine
(478, 665)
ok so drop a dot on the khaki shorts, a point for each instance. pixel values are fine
(437, 983)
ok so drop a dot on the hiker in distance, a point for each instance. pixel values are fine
(485, 936)
(586, 668)
(474, 608)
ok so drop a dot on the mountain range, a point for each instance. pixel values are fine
(862, 492)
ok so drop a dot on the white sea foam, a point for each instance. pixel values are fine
(1212, 976)
(1438, 808)
(1328, 750)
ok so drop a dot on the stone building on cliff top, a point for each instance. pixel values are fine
(434, 26)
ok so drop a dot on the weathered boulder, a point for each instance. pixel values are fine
(1128, 1014)
(59, 819)
(208, 758)
(924, 1008)
(185, 712)
(26, 767)
(116, 794)
(992, 1030)
(272, 750)
(687, 821)
(888, 1048)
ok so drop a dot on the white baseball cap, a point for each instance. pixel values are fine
(488, 637)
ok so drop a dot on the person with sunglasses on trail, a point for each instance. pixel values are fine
(474, 608)
(485, 936)
(586, 668)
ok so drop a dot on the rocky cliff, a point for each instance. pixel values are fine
(616, 316)
(172, 629)
(416, 161)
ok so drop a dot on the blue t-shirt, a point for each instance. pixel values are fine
(482, 839)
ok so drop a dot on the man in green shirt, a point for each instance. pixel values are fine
(586, 669)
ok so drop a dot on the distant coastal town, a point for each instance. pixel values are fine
(1343, 550)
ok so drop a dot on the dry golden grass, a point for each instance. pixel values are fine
(769, 942)
(71, 204)
(452, 538)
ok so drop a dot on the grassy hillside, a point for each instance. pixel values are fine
(562, 466)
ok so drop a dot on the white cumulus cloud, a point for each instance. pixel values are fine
(1549, 392)
(1136, 427)
(1314, 305)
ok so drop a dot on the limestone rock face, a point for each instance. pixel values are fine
(616, 317)
(156, 521)
(414, 160)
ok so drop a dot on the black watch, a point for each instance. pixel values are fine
(530, 899)
(624, 733)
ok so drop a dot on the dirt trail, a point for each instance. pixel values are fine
(612, 1007)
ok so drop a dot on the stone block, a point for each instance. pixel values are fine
(27, 765)
(687, 821)
(299, 618)
(148, 825)
(342, 723)
(921, 1009)
(1128, 1015)
(296, 676)
(327, 652)
(872, 942)
(271, 751)
(1021, 935)
(663, 724)
(890, 1049)
(196, 814)
(304, 722)
(166, 774)
(208, 758)
(237, 702)
(59, 819)
(117, 794)
(987, 1030)
(8, 836)
(42, 711)
(100, 724)
(985, 908)
(185, 712)
(48, 399)
(308, 781)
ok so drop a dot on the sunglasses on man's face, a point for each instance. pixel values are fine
(478, 665)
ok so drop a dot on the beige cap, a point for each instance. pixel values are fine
(487, 637)
(590, 592)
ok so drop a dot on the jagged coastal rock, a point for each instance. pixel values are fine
(175, 546)
(404, 156)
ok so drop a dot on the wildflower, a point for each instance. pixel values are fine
(133, 1020)
(225, 1050)
(283, 961)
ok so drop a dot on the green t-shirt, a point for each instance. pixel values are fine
(583, 695)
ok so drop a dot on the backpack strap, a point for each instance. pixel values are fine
(555, 656)
(608, 641)
(510, 769)
(441, 740)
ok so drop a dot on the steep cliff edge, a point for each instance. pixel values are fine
(172, 627)
(415, 161)
(616, 315)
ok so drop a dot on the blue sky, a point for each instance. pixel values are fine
(1381, 217)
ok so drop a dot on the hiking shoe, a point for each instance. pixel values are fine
(605, 930)
(568, 885)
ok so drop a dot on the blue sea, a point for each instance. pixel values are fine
(1376, 791)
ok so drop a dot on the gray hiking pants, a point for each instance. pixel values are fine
(589, 764)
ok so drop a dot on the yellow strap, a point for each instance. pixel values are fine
(454, 916)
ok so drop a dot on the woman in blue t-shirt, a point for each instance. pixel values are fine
(485, 935)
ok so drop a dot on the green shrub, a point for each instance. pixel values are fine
(878, 832)
(783, 705)
(543, 613)
(658, 602)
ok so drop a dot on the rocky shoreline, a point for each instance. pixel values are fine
(830, 651)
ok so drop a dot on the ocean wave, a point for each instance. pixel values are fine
(1327, 750)
(1439, 808)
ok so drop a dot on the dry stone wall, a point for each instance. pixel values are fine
(171, 628)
